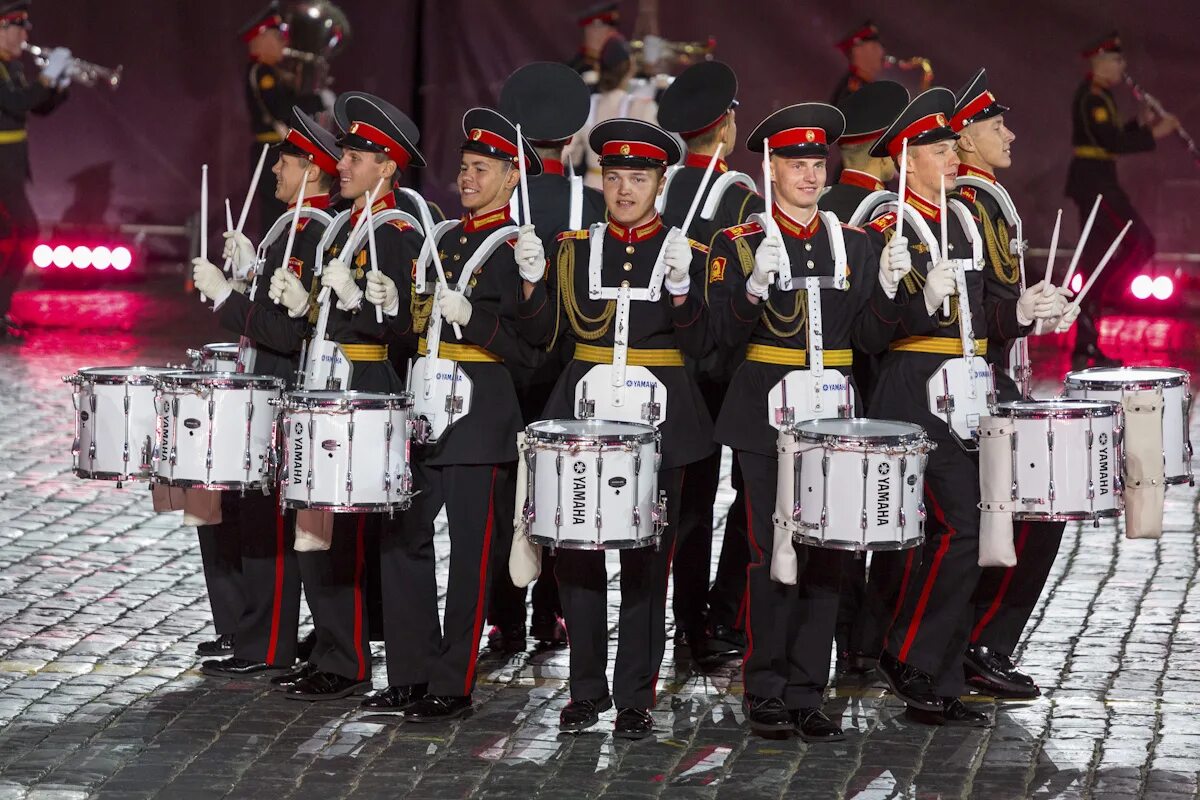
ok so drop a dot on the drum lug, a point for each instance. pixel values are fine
(92, 450)
(454, 404)
(586, 408)
(652, 410)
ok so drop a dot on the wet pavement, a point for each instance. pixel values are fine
(102, 603)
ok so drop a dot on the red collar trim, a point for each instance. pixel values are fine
(702, 161)
(794, 228)
(634, 235)
(926, 209)
(382, 204)
(855, 177)
(552, 166)
(965, 170)
(481, 222)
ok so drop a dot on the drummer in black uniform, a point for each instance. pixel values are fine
(865, 52)
(700, 105)
(1100, 138)
(922, 658)
(378, 141)
(633, 156)
(274, 323)
(1005, 597)
(790, 627)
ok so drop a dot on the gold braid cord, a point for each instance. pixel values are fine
(996, 239)
(420, 308)
(799, 313)
(914, 284)
(566, 292)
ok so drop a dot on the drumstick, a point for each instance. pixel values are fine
(1083, 237)
(374, 260)
(708, 171)
(357, 227)
(527, 212)
(1112, 248)
(291, 240)
(945, 242)
(441, 274)
(258, 168)
(903, 186)
(203, 219)
(1048, 282)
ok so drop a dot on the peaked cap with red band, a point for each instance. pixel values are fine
(307, 139)
(491, 134)
(1109, 43)
(867, 32)
(924, 121)
(634, 144)
(870, 110)
(699, 99)
(804, 130)
(376, 126)
(266, 20)
(974, 103)
(15, 14)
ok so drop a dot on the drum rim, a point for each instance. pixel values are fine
(220, 380)
(1109, 408)
(1080, 378)
(849, 546)
(916, 436)
(219, 347)
(403, 504)
(145, 375)
(591, 545)
(296, 400)
(645, 435)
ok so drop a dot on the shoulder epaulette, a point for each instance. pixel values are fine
(400, 225)
(738, 231)
(703, 248)
(882, 223)
(967, 193)
(565, 235)
(849, 227)
(302, 223)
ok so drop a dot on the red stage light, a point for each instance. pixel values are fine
(43, 256)
(83, 256)
(121, 258)
(1163, 287)
(62, 256)
(101, 257)
(1142, 287)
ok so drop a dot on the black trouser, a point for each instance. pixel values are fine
(1006, 596)
(506, 607)
(864, 627)
(727, 597)
(270, 617)
(933, 625)
(478, 499)
(693, 549)
(789, 628)
(18, 229)
(335, 585)
(221, 559)
(641, 624)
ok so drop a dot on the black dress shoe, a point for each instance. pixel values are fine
(506, 640)
(814, 726)
(438, 708)
(220, 646)
(955, 712)
(633, 723)
(394, 699)
(991, 672)
(581, 714)
(766, 714)
(304, 647)
(908, 683)
(850, 662)
(234, 667)
(290, 679)
(548, 630)
(725, 642)
(326, 686)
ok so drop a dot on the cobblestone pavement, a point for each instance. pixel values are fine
(102, 604)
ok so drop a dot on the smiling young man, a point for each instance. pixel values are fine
(790, 626)
(666, 320)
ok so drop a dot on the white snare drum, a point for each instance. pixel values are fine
(114, 422)
(215, 357)
(216, 430)
(592, 485)
(853, 484)
(1111, 383)
(1066, 458)
(345, 451)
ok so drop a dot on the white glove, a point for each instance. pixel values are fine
(1034, 303)
(894, 263)
(210, 281)
(381, 291)
(1067, 319)
(240, 251)
(768, 259)
(287, 290)
(56, 65)
(530, 255)
(455, 307)
(677, 257)
(239, 286)
(337, 277)
(940, 283)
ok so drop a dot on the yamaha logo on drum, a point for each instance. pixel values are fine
(1102, 477)
(579, 494)
(883, 495)
(298, 454)
(884, 468)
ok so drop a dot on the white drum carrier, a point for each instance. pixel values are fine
(590, 485)
(1066, 458)
(852, 484)
(216, 430)
(114, 422)
(1112, 383)
(345, 451)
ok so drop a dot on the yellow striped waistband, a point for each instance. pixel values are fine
(1092, 151)
(12, 137)
(365, 352)
(634, 357)
(795, 357)
(268, 136)
(460, 352)
(940, 345)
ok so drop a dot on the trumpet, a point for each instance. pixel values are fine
(304, 56)
(82, 72)
(916, 62)
(654, 49)
(1151, 102)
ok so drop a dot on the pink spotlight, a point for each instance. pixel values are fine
(1163, 287)
(1142, 287)
(121, 258)
(81, 257)
(101, 257)
(62, 256)
(43, 256)
(1076, 282)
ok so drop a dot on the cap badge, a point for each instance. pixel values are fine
(809, 136)
(941, 119)
(354, 128)
(476, 134)
(624, 149)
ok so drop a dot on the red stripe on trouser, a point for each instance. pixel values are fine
(1003, 590)
(915, 624)
(756, 558)
(908, 565)
(277, 602)
(481, 599)
(359, 559)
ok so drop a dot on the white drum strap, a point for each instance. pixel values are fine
(718, 189)
(422, 208)
(660, 202)
(575, 217)
(784, 279)
(620, 345)
(865, 211)
(816, 341)
(598, 291)
(433, 238)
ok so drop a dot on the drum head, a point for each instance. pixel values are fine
(593, 430)
(133, 375)
(330, 399)
(1127, 377)
(858, 429)
(220, 348)
(1059, 407)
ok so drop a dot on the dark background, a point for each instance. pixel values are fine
(135, 155)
